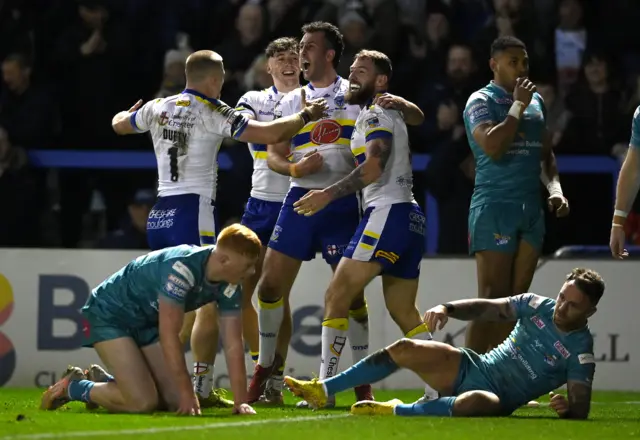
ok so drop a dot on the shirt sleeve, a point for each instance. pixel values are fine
(177, 281)
(527, 304)
(377, 124)
(582, 368)
(224, 120)
(477, 111)
(635, 129)
(230, 299)
(246, 105)
(142, 118)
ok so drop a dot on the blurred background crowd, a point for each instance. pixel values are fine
(69, 65)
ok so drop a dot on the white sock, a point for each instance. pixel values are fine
(359, 338)
(202, 378)
(333, 342)
(270, 316)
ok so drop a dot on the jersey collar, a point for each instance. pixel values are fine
(369, 103)
(200, 95)
(313, 88)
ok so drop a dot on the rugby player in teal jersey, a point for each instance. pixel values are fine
(506, 127)
(133, 321)
(550, 346)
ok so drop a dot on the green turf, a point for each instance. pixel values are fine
(612, 417)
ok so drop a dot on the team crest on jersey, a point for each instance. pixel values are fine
(163, 119)
(562, 349)
(373, 122)
(276, 233)
(339, 100)
(550, 360)
(326, 131)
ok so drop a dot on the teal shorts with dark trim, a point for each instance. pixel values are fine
(100, 329)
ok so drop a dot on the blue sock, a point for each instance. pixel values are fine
(80, 390)
(369, 370)
(442, 407)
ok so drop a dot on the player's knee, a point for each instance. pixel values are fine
(401, 350)
(337, 299)
(269, 287)
(477, 404)
(358, 302)
(143, 404)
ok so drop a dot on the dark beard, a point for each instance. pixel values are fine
(366, 92)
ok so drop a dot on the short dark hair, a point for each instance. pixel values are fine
(284, 44)
(381, 62)
(589, 282)
(503, 43)
(332, 37)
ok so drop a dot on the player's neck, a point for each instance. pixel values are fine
(373, 98)
(571, 328)
(506, 88)
(327, 79)
(200, 89)
(282, 87)
(213, 272)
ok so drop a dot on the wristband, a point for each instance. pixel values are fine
(516, 109)
(450, 308)
(616, 225)
(620, 213)
(293, 170)
(554, 188)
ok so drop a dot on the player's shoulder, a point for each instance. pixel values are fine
(375, 111)
(478, 97)
(251, 96)
(636, 115)
(538, 303)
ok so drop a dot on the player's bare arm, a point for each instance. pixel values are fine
(551, 178)
(121, 122)
(231, 328)
(170, 317)
(495, 139)
(411, 113)
(278, 161)
(578, 403)
(626, 191)
(499, 309)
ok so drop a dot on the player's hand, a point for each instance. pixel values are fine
(616, 243)
(524, 91)
(559, 204)
(559, 403)
(243, 409)
(310, 163)
(389, 101)
(188, 404)
(316, 109)
(436, 318)
(312, 202)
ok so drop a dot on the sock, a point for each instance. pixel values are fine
(80, 390)
(334, 338)
(369, 370)
(202, 378)
(442, 407)
(270, 316)
(421, 332)
(254, 356)
(358, 333)
(277, 379)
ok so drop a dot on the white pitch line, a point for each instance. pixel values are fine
(170, 428)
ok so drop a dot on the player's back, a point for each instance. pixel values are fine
(187, 130)
(514, 177)
(264, 106)
(131, 294)
(396, 183)
(330, 136)
(537, 357)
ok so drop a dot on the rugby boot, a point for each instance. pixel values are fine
(57, 394)
(371, 408)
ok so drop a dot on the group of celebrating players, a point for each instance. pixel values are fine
(332, 174)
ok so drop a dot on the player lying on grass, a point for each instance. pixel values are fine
(551, 345)
(134, 319)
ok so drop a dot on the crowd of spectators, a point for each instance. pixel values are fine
(69, 65)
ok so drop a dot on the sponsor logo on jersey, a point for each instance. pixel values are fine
(163, 119)
(535, 302)
(183, 270)
(326, 132)
(586, 358)
(373, 122)
(179, 282)
(538, 322)
(174, 291)
(230, 290)
(183, 103)
(562, 349)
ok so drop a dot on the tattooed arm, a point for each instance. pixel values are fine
(579, 394)
(377, 156)
(500, 309)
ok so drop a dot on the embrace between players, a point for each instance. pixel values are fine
(315, 148)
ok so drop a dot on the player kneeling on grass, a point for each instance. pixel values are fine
(550, 345)
(134, 319)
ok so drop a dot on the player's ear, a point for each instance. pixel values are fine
(591, 312)
(493, 65)
(330, 55)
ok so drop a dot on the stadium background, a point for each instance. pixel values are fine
(69, 66)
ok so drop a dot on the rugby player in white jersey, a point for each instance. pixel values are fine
(390, 238)
(268, 192)
(187, 130)
(297, 238)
